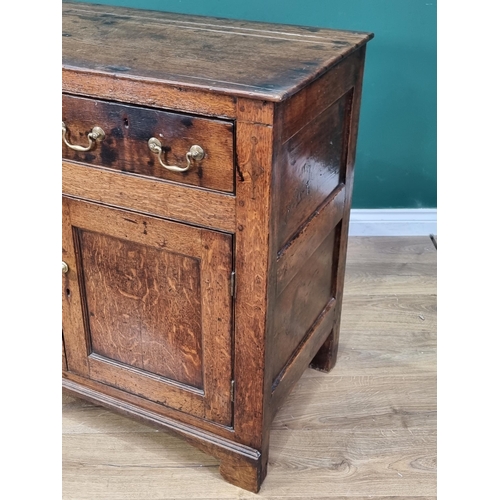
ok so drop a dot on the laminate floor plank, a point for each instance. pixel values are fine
(367, 404)
(139, 467)
(374, 270)
(408, 360)
(378, 282)
(391, 249)
(366, 430)
(97, 420)
(389, 311)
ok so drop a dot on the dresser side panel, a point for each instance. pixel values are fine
(326, 356)
(312, 190)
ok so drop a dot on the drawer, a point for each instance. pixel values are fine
(126, 142)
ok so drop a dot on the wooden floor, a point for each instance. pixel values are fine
(365, 430)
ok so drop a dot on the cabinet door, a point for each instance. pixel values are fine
(147, 307)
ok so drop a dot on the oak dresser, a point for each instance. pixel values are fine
(207, 178)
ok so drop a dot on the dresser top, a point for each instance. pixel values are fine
(242, 58)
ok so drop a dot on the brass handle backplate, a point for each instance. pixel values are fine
(97, 134)
(195, 153)
(65, 267)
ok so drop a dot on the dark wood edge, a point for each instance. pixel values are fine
(336, 197)
(325, 69)
(303, 354)
(212, 444)
(310, 235)
(64, 360)
(322, 93)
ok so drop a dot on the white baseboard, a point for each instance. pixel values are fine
(393, 222)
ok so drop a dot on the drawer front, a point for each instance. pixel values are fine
(127, 132)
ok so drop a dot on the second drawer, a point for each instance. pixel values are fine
(128, 131)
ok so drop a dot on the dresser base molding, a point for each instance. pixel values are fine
(240, 465)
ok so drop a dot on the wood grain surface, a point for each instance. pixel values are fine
(278, 60)
(365, 430)
(301, 302)
(171, 283)
(312, 164)
(129, 287)
(128, 129)
(165, 199)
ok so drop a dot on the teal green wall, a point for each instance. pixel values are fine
(396, 156)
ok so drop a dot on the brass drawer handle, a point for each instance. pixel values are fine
(97, 134)
(195, 153)
(65, 267)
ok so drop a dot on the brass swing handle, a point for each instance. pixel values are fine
(97, 134)
(195, 153)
